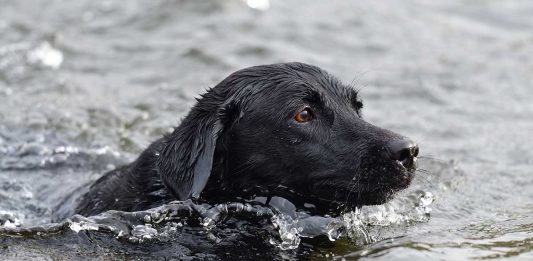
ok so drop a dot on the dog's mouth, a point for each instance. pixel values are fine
(378, 187)
(374, 183)
(347, 196)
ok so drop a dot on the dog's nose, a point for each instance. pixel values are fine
(404, 151)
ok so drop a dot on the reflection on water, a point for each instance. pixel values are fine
(262, 5)
(86, 85)
(45, 55)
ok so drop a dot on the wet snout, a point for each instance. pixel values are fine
(403, 150)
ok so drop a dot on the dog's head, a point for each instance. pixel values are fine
(289, 130)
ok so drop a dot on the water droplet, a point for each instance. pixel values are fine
(261, 5)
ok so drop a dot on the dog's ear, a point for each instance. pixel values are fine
(186, 158)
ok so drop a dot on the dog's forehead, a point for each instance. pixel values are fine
(320, 85)
(288, 83)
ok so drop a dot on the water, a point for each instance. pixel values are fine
(86, 85)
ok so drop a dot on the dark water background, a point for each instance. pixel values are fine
(86, 85)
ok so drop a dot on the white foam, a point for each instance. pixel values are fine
(79, 226)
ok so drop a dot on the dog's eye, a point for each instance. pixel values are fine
(305, 115)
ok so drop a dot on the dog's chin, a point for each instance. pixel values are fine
(381, 193)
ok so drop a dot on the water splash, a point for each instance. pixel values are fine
(9, 220)
(423, 210)
(144, 232)
(289, 232)
(46, 56)
(362, 226)
(366, 225)
(163, 222)
(82, 225)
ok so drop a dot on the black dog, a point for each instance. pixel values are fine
(289, 130)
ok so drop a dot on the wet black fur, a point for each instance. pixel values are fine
(241, 141)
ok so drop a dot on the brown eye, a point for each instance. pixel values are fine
(305, 115)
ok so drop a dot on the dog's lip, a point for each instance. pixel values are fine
(399, 180)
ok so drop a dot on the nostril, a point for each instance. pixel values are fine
(404, 155)
(415, 151)
(404, 151)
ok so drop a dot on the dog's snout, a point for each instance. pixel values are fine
(404, 150)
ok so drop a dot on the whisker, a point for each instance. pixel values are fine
(421, 140)
(352, 187)
(358, 77)
(425, 171)
(425, 178)
(431, 158)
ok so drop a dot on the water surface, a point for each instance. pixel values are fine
(86, 85)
